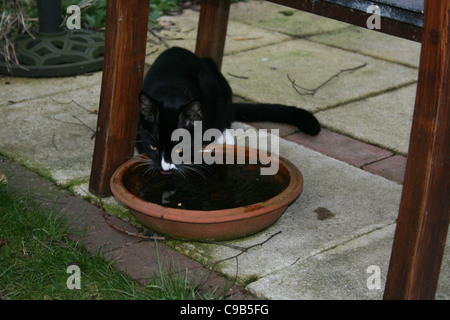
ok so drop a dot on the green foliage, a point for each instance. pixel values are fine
(94, 11)
(159, 7)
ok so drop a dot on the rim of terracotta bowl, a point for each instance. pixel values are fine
(283, 199)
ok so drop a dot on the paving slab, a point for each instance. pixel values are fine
(273, 24)
(355, 270)
(310, 65)
(338, 203)
(52, 134)
(282, 19)
(181, 31)
(340, 273)
(375, 44)
(373, 119)
(15, 89)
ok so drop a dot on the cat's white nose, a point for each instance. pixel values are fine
(167, 166)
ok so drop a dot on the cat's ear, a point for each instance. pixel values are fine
(147, 108)
(191, 113)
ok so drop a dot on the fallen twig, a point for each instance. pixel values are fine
(246, 39)
(84, 108)
(133, 234)
(162, 39)
(152, 52)
(242, 249)
(239, 77)
(53, 142)
(236, 256)
(84, 124)
(313, 91)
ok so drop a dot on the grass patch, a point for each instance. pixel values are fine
(35, 254)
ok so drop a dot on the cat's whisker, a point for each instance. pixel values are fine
(207, 167)
(182, 172)
(149, 170)
(192, 171)
(198, 169)
(144, 162)
(140, 156)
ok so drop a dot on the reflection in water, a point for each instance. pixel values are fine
(224, 186)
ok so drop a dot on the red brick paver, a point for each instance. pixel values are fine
(354, 152)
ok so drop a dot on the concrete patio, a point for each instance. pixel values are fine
(344, 220)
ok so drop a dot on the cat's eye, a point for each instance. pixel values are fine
(152, 147)
(179, 150)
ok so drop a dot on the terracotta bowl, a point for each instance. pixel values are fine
(218, 225)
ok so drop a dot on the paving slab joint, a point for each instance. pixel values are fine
(366, 96)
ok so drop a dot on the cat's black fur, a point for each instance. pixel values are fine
(181, 88)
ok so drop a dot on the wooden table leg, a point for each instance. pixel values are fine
(424, 215)
(212, 29)
(125, 41)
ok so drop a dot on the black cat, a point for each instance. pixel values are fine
(181, 88)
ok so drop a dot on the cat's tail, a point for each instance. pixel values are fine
(298, 117)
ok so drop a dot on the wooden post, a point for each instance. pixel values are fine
(123, 67)
(424, 214)
(212, 29)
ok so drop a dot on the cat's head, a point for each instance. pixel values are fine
(158, 120)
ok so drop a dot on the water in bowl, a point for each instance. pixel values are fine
(220, 186)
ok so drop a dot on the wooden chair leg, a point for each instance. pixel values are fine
(424, 215)
(212, 29)
(125, 41)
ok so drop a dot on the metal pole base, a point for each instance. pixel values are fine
(70, 52)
